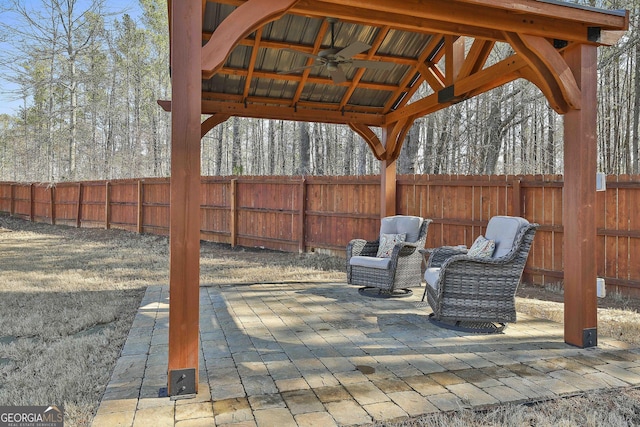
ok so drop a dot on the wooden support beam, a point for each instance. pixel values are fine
(476, 58)
(387, 188)
(454, 58)
(299, 113)
(184, 228)
(543, 19)
(579, 204)
(486, 79)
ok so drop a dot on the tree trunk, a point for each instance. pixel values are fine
(304, 138)
(236, 153)
(409, 152)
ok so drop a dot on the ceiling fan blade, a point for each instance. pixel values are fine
(296, 70)
(337, 75)
(308, 55)
(353, 49)
(373, 65)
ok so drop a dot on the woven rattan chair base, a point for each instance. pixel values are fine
(469, 326)
(374, 292)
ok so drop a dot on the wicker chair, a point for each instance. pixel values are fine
(475, 294)
(393, 272)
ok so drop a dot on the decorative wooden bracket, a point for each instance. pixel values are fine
(211, 122)
(370, 138)
(247, 18)
(392, 134)
(548, 70)
(395, 135)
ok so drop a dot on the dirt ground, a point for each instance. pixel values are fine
(549, 293)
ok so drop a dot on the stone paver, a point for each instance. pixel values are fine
(412, 403)
(315, 419)
(157, 417)
(113, 419)
(348, 412)
(322, 355)
(302, 401)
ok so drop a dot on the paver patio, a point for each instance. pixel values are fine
(320, 354)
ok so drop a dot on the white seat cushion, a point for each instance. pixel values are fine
(503, 231)
(402, 224)
(431, 276)
(370, 262)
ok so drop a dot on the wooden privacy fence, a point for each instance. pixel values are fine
(323, 213)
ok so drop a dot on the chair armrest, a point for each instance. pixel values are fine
(361, 247)
(403, 249)
(443, 253)
(463, 258)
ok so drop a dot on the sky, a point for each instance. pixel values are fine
(8, 102)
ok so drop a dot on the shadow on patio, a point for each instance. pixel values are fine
(321, 354)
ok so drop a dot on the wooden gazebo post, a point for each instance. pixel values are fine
(184, 232)
(580, 156)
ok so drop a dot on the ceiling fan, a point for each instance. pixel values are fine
(333, 59)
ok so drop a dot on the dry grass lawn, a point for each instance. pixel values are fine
(69, 296)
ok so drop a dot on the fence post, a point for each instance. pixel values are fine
(517, 197)
(140, 202)
(31, 207)
(107, 203)
(79, 206)
(12, 205)
(302, 245)
(233, 220)
(52, 200)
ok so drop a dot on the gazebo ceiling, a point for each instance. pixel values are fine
(445, 44)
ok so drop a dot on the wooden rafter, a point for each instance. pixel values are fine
(252, 63)
(426, 70)
(353, 85)
(305, 74)
(476, 58)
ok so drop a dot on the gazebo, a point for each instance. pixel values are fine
(360, 63)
